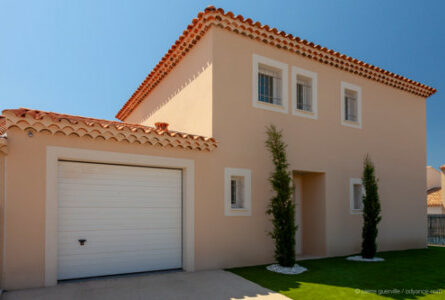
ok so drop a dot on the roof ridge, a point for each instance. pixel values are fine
(198, 28)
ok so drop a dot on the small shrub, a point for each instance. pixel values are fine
(371, 209)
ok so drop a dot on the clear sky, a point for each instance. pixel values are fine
(86, 57)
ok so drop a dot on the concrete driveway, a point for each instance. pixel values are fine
(173, 285)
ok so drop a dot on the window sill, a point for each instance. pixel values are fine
(270, 106)
(356, 211)
(238, 212)
(355, 124)
(305, 114)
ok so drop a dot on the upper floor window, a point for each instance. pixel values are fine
(304, 93)
(351, 105)
(269, 84)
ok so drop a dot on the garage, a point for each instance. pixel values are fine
(117, 219)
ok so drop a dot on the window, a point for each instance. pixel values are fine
(351, 105)
(356, 193)
(304, 93)
(269, 84)
(237, 192)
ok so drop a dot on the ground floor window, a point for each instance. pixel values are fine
(237, 192)
(356, 193)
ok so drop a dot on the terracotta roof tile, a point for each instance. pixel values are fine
(434, 197)
(37, 120)
(212, 16)
(2, 125)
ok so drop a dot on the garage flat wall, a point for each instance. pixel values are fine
(24, 251)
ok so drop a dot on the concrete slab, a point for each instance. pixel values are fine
(206, 285)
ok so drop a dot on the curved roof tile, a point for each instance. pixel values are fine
(37, 120)
(212, 16)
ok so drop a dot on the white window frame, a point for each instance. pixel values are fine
(358, 90)
(313, 76)
(246, 174)
(256, 61)
(352, 182)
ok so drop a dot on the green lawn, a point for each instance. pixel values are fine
(411, 274)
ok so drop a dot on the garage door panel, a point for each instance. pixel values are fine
(106, 174)
(130, 216)
(123, 240)
(127, 262)
(108, 266)
(74, 219)
(114, 190)
(127, 256)
(116, 185)
(87, 198)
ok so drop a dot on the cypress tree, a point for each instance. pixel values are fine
(371, 209)
(281, 207)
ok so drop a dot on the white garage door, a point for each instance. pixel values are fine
(129, 219)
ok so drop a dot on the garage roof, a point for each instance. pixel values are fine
(50, 122)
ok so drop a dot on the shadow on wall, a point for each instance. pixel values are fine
(169, 89)
(410, 274)
(310, 203)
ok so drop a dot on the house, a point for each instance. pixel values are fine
(433, 178)
(435, 201)
(182, 181)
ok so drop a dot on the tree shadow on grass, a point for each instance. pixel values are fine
(407, 274)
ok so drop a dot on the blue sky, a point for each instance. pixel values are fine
(86, 57)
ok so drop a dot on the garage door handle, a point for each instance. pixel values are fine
(82, 242)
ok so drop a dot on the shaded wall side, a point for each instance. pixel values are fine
(314, 217)
(184, 97)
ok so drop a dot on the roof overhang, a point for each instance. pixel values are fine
(97, 129)
(271, 36)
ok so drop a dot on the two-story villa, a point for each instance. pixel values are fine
(82, 197)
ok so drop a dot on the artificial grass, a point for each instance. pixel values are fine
(410, 274)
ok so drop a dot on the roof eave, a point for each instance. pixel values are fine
(255, 30)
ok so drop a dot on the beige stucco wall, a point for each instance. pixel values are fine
(220, 241)
(184, 97)
(393, 133)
